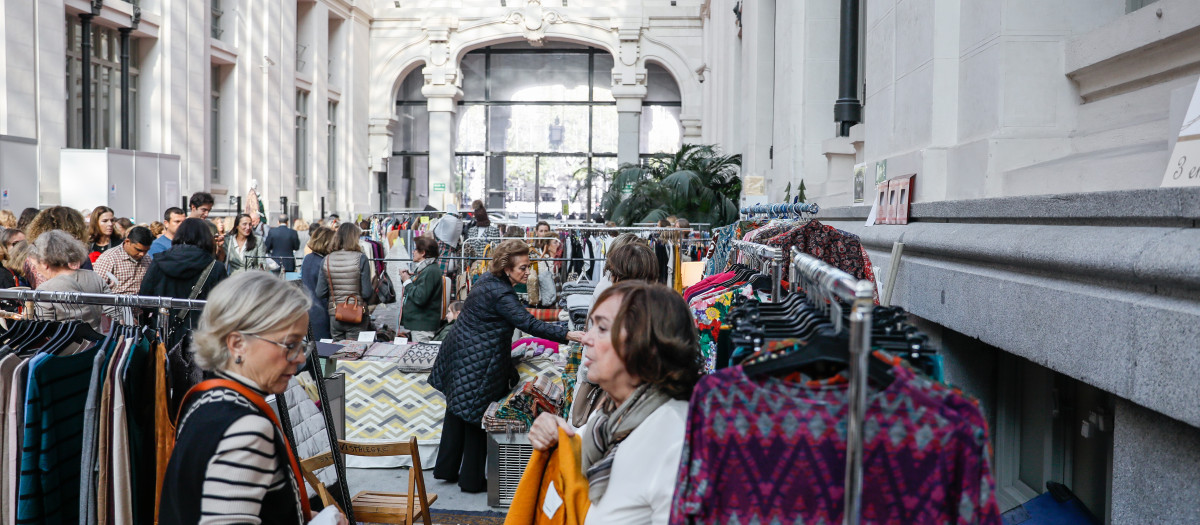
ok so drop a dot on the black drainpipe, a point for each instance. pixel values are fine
(126, 111)
(85, 80)
(847, 111)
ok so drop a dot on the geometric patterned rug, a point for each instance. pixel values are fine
(385, 404)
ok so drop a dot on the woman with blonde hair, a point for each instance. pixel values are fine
(475, 366)
(7, 219)
(13, 253)
(232, 461)
(344, 277)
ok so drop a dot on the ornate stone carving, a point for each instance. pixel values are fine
(630, 49)
(534, 19)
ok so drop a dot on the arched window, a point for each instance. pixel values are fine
(408, 170)
(536, 130)
(533, 125)
(661, 131)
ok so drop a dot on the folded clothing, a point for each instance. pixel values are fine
(531, 398)
(533, 347)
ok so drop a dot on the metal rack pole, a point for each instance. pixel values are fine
(861, 296)
(860, 351)
(135, 301)
(777, 275)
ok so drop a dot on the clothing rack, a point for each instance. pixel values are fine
(771, 256)
(782, 210)
(407, 212)
(824, 285)
(163, 304)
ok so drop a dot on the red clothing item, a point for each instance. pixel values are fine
(705, 284)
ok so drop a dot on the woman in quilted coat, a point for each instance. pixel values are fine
(475, 368)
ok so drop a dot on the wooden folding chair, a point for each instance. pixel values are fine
(372, 506)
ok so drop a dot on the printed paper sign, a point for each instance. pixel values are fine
(1184, 167)
(366, 337)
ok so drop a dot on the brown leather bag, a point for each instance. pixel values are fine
(350, 310)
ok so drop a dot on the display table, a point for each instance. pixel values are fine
(387, 401)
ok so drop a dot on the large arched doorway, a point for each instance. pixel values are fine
(536, 129)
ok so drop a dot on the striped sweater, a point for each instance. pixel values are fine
(228, 465)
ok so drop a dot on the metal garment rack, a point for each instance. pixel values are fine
(824, 285)
(771, 256)
(782, 210)
(163, 304)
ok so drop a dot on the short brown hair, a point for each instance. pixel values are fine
(632, 260)
(320, 240)
(655, 336)
(427, 246)
(505, 253)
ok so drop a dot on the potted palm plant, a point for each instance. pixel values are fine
(696, 183)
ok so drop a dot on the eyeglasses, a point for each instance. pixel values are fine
(291, 351)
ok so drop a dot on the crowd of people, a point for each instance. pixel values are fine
(641, 356)
(41, 250)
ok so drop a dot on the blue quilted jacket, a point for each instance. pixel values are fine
(475, 366)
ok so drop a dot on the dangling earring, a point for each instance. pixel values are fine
(238, 360)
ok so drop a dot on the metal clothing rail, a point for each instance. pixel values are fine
(407, 212)
(772, 255)
(781, 210)
(163, 304)
(824, 285)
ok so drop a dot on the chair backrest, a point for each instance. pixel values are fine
(447, 294)
(416, 479)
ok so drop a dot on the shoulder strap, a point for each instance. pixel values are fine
(196, 288)
(266, 410)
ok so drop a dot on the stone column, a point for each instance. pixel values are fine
(380, 136)
(443, 104)
(629, 122)
(692, 129)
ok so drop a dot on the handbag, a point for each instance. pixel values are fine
(385, 291)
(346, 311)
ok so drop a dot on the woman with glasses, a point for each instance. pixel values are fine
(232, 462)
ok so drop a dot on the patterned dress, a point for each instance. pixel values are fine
(767, 450)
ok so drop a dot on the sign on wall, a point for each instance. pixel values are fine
(1184, 167)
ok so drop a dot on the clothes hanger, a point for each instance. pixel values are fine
(824, 348)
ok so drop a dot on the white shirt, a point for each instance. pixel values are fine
(644, 471)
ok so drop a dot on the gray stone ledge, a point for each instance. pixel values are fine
(1129, 256)
(1134, 343)
(1176, 206)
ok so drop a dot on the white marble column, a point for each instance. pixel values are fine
(629, 122)
(443, 104)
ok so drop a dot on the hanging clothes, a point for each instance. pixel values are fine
(928, 463)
